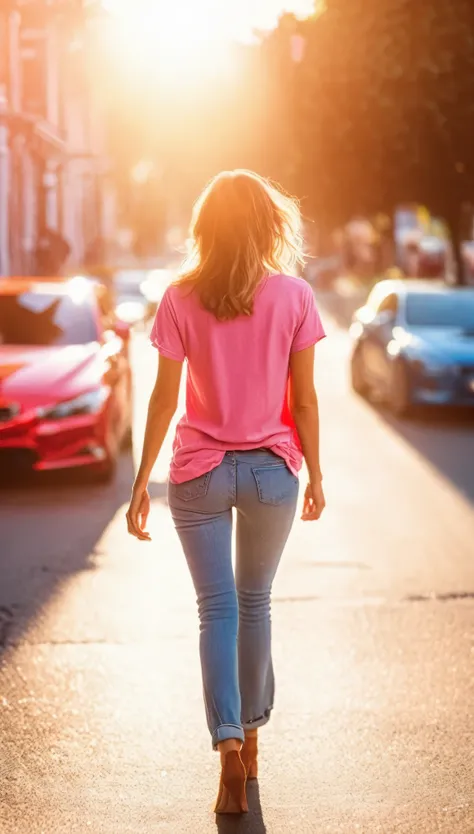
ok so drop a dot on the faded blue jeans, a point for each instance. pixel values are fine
(234, 612)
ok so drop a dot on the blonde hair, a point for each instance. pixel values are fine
(243, 227)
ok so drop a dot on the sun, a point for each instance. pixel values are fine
(176, 40)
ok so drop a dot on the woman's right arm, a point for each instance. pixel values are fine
(305, 412)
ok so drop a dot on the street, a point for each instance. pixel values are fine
(102, 723)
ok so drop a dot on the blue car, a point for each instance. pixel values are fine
(413, 344)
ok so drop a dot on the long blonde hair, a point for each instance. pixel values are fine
(243, 227)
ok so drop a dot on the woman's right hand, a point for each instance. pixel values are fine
(314, 501)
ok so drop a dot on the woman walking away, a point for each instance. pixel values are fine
(247, 329)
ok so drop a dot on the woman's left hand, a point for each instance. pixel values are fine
(137, 514)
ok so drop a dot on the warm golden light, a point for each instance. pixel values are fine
(189, 39)
(175, 41)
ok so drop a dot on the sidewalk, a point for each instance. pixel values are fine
(342, 300)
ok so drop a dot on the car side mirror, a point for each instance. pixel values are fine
(122, 330)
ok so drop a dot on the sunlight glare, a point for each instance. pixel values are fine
(177, 41)
(187, 40)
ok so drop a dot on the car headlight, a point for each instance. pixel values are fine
(89, 403)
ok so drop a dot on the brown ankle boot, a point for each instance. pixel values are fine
(249, 755)
(232, 798)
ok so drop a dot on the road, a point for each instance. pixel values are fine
(102, 723)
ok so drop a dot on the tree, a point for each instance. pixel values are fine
(384, 107)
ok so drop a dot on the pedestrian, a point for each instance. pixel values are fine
(247, 329)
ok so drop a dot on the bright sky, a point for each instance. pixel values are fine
(187, 41)
(231, 18)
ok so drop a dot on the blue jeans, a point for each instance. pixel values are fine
(234, 612)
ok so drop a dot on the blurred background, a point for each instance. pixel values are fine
(113, 115)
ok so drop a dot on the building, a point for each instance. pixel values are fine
(53, 169)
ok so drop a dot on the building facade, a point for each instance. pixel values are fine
(54, 178)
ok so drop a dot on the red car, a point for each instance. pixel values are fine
(65, 378)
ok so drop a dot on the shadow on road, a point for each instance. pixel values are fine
(445, 439)
(50, 528)
(251, 823)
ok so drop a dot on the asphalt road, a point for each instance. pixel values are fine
(101, 718)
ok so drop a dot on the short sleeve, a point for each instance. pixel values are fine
(310, 329)
(165, 334)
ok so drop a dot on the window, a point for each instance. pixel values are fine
(453, 309)
(43, 318)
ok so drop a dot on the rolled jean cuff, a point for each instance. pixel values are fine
(226, 731)
(258, 722)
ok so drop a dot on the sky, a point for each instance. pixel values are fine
(186, 42)
(235, 19)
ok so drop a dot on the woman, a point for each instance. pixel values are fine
(247, 330)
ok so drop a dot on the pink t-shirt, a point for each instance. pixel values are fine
(237, 376)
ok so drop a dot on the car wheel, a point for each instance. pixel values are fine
(358, 379)
(400, 394)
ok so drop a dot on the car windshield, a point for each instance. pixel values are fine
(46, 319)
(454, 309)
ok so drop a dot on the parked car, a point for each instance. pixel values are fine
(65, 377)
(413, 343)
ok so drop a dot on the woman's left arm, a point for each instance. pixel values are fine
(163, 404)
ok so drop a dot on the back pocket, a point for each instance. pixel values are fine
(190, 490)
(275, 484)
